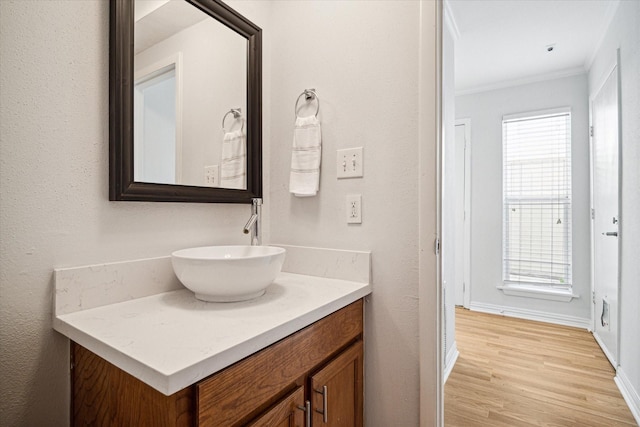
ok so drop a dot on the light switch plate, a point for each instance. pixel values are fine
(354, 209)
(349, 163)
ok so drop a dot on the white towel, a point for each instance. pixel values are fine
(306, 154)
(233, 164)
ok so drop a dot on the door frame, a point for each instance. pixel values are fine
(615, 67)
(466, 122)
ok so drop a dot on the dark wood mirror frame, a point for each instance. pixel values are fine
(121, 52)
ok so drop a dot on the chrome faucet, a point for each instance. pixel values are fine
(254, 225)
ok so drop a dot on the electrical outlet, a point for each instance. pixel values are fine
(349, 163)
(211, 176)
(354, 209)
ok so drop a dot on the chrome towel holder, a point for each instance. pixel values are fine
(309, 95)
(237, 114)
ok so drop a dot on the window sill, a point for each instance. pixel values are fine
(538, 292)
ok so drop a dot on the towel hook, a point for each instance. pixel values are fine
(237, 114)
(309, 95)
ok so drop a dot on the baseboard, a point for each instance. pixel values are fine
(605, 350)
(629, 394)
(540, 316)
(450, 360)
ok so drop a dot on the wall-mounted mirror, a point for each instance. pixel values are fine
(185, 102)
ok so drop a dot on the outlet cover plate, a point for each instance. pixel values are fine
(354, 209)
(211, 176)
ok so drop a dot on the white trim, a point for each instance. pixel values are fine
(539, 316)
(609, 14)
(450, 20)
(450, 360)
(466, 122)
(430, 298)
(604, 349)
(602, 80)
(523, 81)
(536, 114)
(630, 394)
(538, 292)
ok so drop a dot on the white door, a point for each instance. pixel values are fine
(154, 142)
(605, 220)
(461, 221)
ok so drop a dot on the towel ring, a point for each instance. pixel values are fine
(309, 94)
(237, 114)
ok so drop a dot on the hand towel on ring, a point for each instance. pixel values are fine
(233, 164)
(306, 155)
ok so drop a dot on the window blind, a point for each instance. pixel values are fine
(537, 198)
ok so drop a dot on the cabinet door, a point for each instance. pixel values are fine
(230, 397)
(287, 413)
(336, 391)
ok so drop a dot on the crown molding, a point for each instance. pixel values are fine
(523, 81)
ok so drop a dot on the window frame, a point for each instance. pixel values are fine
(527, 283)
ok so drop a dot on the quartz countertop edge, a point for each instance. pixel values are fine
(171, 340)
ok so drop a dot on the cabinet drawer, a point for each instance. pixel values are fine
(243, 390)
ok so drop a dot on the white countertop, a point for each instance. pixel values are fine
(171, 340)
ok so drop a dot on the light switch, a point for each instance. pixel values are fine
(349, 163)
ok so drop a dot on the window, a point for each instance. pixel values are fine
(537, 199)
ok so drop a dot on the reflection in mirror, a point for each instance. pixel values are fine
(189, 72)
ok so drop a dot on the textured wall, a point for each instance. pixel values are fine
(486, 110)
(54, 208)
(362, 57)
(624, 33)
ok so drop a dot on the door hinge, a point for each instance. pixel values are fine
(437, 246)
(593, 213)
(464, 287)
(593, 297)
(591, 131)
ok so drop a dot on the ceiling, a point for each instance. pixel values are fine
(504, 42)
(157, 20)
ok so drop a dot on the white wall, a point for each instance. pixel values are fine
(54, 208)
(449, 267)
(485, 110)
(624, 33)
(362, 57)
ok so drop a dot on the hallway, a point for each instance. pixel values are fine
(514, 372)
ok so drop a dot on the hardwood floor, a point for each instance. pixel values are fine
(514, 372)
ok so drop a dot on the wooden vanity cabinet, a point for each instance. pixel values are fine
(319, 368)
(337, 390)
(286, 413)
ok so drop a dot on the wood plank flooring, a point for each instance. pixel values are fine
(514, 372)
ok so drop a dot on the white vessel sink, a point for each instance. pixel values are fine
(228, 273)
